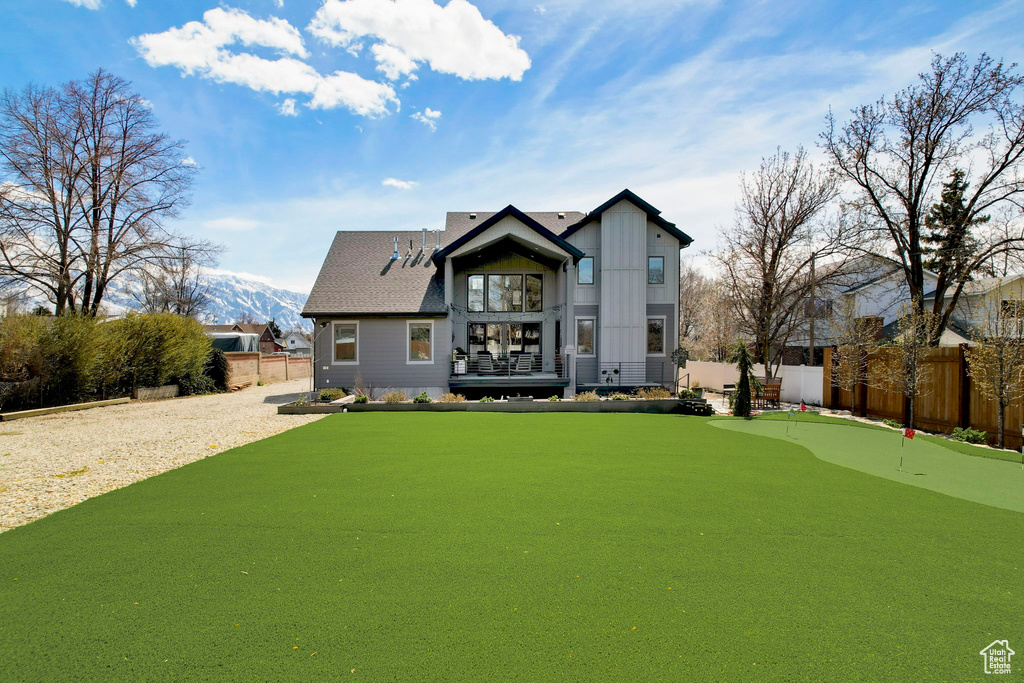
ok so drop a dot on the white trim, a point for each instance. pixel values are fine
(664, 334)
(576, 334)
(334, 347)
(408, 342)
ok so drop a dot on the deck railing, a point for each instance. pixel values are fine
(505, 365)
(620, 374)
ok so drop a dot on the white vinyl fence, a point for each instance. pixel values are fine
(799, 382)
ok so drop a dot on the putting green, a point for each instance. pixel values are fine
(999, 483)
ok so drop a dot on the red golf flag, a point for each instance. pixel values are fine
(909, 433)
(803, 406)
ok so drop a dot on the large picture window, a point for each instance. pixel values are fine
(585, 271)
(420, 349)
(504, 293)
(655, 270)
(585, 336)
(346, 346)
(655, 336)
(534, 293)
(476, 293)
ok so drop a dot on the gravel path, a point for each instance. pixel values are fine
(53, 462)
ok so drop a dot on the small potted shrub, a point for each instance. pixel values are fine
(487, 399)
(553, 399)
(361, 398)
(420, 398)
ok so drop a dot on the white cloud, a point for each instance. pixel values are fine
(201, 48)
(280, 3)
(88, 4)
(287, 108)
(453, 39)
(400, 184)
(131, 3)
(428, 118)
(189, 161)
(232, 224)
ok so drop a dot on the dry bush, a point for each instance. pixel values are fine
(652, 393)
(394, 397)
(587, 396)
(450, 398)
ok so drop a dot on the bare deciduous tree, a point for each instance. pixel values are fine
(896, 153)
(854, 337)
(996, 360)
(88, 184)
(768, 253)
(175, 284)
(900, 366)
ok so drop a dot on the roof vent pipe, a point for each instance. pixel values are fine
(472, 216)
(424, 247)
(394, 256)
(561, 215)
(438, 234)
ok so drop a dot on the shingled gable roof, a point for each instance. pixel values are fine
(519, 216)
(653, 215)
(359, 278)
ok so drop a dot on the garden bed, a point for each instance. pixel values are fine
(666, 405)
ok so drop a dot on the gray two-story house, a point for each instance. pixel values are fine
(506, 303)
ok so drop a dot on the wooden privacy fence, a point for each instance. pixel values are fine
(947, 398)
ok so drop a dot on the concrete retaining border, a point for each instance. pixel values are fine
(36, 412)
(639, 406)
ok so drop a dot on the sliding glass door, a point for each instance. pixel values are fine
(501, 339)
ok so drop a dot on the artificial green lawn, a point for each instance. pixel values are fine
(468, 546)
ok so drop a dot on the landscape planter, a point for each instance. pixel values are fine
(668, 405)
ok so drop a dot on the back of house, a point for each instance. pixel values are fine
(503, 303)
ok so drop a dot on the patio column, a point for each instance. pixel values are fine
(569, 326)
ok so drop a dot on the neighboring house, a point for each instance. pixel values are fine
(296, 344)
(267, 342)
(869, 287)
(984, 306)
(503, 303)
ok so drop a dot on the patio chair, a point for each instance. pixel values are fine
(485, 364)
(524, 364)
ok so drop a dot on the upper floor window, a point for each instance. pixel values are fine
(346, 347)
(476, 293)
(655, 270)
(504, 293)
(534, 293)
(1012, 309)
(585, 271)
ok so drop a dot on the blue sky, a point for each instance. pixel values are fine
(311, 116)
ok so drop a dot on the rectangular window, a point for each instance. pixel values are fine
(1011, 309)
(585, 336)
(345, 346)
(655, 336)
(585, 271)
(534, 293)
(477, 338)
(655, 270)
(505, 293)
(531, 337)
(419, 342)
(476, 292)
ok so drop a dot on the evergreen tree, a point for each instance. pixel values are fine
(274, 329)
(948, 245)
(741, 356)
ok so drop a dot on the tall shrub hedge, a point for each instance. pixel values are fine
(54, 361)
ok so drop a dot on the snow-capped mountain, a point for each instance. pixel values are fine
(232, 298)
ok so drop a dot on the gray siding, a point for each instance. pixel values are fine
(383, 355)
(623, 289)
